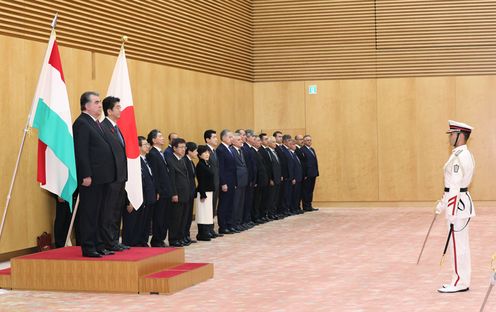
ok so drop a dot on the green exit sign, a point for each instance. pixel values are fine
(312, 89)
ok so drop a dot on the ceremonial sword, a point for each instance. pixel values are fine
(493, 281)
(426, 237)
(447, 243)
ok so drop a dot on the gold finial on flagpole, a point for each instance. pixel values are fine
(124, 39)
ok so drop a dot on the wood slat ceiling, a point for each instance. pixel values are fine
(276, 40)
(312, 39)
(208, 36)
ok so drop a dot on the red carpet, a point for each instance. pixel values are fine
(5, 271)
(74, 253)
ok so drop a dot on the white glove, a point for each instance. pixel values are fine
(440, 207)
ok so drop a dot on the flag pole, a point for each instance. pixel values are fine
(74, 211)
(25, 132)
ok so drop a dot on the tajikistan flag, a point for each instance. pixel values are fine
(120, 87)
(51, 115)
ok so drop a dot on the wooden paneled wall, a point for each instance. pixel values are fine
(314, 39)
(384, 139)
(206, 36)
(166, 98)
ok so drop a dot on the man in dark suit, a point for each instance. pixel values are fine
(281, 209)
(210, 137)
(298, 178)
(136, 223)
(311, 171)
(115, 198)
(251, 163)
(181, 194)
(276, 176)
(95, 164)
(163, 184)
(268, 190)
(261, 185)
(288, 170)
(242, 183)
(191, 153)
(169, 151)
(228, 183)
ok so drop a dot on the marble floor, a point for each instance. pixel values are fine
(340, 259)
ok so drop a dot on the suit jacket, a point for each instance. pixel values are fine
(191, 175)
(149, 190)
(119, 150)
(311, 163)
(94, 157)
(302, 159)
(179, 172)
(161, 172)
(276, 168)
(227, 166)
(283, 160)
(214, 162)
(168, 151)
(205, 176)
(267, 162)
(251, 163)
(242, 175)
(288, 159)
(262, 175)
(298, 168)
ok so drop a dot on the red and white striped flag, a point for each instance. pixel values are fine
(120, 87)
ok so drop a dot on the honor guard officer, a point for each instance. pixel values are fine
(458, 206)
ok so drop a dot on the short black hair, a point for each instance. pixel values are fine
(276, 132)
(286, 137)
(152, 135)
(176, 142)
(208, 134)
(261, 135)
(85, 98)
(109, 103)
(191, 147)
(202, 149)
(140, 139)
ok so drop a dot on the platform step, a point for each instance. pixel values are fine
(5, 279)
(176, 278)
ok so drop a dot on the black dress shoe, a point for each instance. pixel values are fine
(311, 209)
(115, 248)
(125, 247)
(91, 254)
(161, 244)
(185, 242)
(105, 252)
(232, 229)
(299, 211)
(203, 238)
(176, 244)
(225, 231)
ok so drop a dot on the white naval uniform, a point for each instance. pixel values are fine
(459, 208)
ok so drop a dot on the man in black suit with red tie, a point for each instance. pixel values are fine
(163, 184)
(115, 199)
(95, 164)
(228, 183)
(311, 170)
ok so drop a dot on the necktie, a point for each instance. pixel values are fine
(99, 125)
(119, 135)
(275, 155)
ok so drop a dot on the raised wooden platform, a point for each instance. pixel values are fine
(65, 269)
